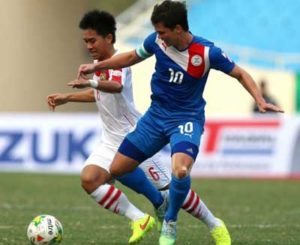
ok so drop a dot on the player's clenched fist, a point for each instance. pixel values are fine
(54, 100)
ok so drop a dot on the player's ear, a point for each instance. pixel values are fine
(109, 38)
(178, 29)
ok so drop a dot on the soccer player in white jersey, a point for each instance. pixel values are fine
(176, 113)
(112, 92)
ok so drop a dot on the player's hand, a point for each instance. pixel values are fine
(85, 69)
(79, 83)
(54, 100)
(265, 107)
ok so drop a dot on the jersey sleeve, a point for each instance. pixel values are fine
(117, 75)
(219, 60)
(146, 50)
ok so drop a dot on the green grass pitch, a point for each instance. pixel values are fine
(255, 211)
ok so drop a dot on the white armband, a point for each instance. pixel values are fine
(94, 83)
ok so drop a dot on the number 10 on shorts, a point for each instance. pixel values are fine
(186, 128)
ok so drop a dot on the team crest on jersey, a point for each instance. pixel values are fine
(196, 60)
(103, 76)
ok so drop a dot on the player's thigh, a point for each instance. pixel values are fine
(157, 172)
(98, 164)
(122, 164)
(148, 136)
(185, 138)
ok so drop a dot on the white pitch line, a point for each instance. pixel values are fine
(260, 226)
(20, 207)
(3, 227)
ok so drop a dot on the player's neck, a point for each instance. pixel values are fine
(110, 52)
(184, 41)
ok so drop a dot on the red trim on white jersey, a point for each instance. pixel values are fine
(117, 111)
(110, 75)
(116, 75)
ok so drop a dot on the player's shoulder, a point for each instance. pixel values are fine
(151, 38)
(202, 41)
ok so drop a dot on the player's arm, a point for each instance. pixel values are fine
(103, 84)
(118, 61)
(109, 86)
(248, 83)
(57, 99)
(220, 61)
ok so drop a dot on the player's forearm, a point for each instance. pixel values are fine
(81, 96)
(248, 83)
(119, 61)
(110, 86)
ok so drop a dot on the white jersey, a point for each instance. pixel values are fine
(119, 117)
(117, 111)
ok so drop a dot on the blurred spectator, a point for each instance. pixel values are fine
(265, 93)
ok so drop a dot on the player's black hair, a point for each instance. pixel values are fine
(100, 21)
(170, 14)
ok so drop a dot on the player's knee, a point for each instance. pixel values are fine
(181, 172)
(90, 180)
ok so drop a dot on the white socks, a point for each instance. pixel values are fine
(115, 200)
(196, 207)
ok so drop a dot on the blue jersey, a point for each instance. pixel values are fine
(180, 76)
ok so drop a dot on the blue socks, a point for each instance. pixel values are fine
(179, 189)
(137, 181)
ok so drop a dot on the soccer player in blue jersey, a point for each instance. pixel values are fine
(176, 114)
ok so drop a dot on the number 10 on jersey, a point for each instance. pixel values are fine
(175, 76)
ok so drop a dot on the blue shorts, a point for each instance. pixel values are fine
(152, 133)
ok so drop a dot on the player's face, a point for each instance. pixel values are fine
(169, 36)
(97, 45)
